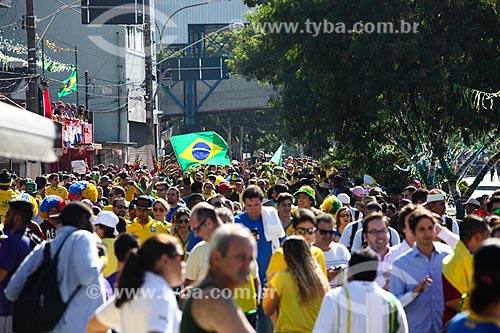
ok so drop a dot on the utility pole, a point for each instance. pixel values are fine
(32, 102)
(149, 85)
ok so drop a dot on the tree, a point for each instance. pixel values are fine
(404, 89)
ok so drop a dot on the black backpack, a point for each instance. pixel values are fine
(40, 306)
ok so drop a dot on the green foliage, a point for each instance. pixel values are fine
(368, 90)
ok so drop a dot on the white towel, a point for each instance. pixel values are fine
(273, 229)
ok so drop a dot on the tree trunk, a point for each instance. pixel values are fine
(240, 148)
(229, 137)
(481, 175)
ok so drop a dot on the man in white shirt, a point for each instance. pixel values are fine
(336, 255)
(350, 230)
(436, 202)
(361, 306)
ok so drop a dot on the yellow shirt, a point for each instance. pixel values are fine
(458, 269)
(112, 264)
(293, 316)
(246, 296)
(5, 197)
(149, 229)
(130, 192)
(278, 263)
(60, 191)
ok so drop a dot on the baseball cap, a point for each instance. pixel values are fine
(106, 218)
(123, 175)
(472, 201)
(344, 198)
(358, 191)
(225, 186)
(435, 195)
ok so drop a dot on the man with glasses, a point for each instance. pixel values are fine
(144, 226)
(336, 255)
(55, 188)
(161, 190)
(376, 234)
(120, 207)
(203, 222)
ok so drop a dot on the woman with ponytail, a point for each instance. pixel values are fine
(145, 301)
(484, 314)
(298, 290)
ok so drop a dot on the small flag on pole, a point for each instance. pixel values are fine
(69, 85)
(200, 148)
(277, 157)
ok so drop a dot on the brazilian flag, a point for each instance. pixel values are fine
(200, 148)
(69, 85)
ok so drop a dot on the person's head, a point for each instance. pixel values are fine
(124, 243)
(372, 208)
(225, 214)
(160, 209)
(131, 209)
(217, 200)
(5, 179)
(493, 205)
(376, 231)
(363, 266)
(325, 227)
(305, 269)
(344, 199)
(485, 297)
(194, 199)
(54, 180)
(253, 198)
(160, 254)
(284, 204)
(419, 197)
(473, 231)
(105, 224)
(208, 187)
(343, 217)
(173, 196)
(436, 201)
(18, 215)
(305, 197)
(78, 215)
(144, 208)
(304, 224)
(471, 206)
(161, 190)
(124, 179)
(408, 192)
(233, 251)
(120, 207)
(422, 225)
(226, 189)
(181, 219)
(204, 221)
(404, 223)
(495, 232)
(239, 185)
(116, 192)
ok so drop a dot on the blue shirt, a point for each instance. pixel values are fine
(78, 265)
(424, 312)
(264, 248)
(12, 252)
(171, 212)
(467, 322)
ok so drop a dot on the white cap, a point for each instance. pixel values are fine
(106, 218)
(344, 198)
(473, 201)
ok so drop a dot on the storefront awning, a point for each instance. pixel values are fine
(25, 135)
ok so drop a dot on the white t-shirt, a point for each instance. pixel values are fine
(154, 309)
(335, 256)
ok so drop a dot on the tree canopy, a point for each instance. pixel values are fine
(411, 90)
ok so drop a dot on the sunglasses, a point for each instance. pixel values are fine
(326, 232)
(161, 210)
(345, 215)
(197, 229)
(302, 231)
(121, 207)
(183, 221)
(161, 189)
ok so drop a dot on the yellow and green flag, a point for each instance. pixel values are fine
(200, 148)
(69, 85)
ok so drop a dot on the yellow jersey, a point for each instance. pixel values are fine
(151, 228)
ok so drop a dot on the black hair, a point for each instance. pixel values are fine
(363, 266)
(196, 187)
(108, 231)
(73, 212)
(407, 210)
(138, 262)
(471, 225)
(124, 243)
(486, 276)
(419, 195)
(492, 200)
(252, 192)
(22, 207)
(303, 215)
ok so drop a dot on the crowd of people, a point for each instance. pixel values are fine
(249, 247)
